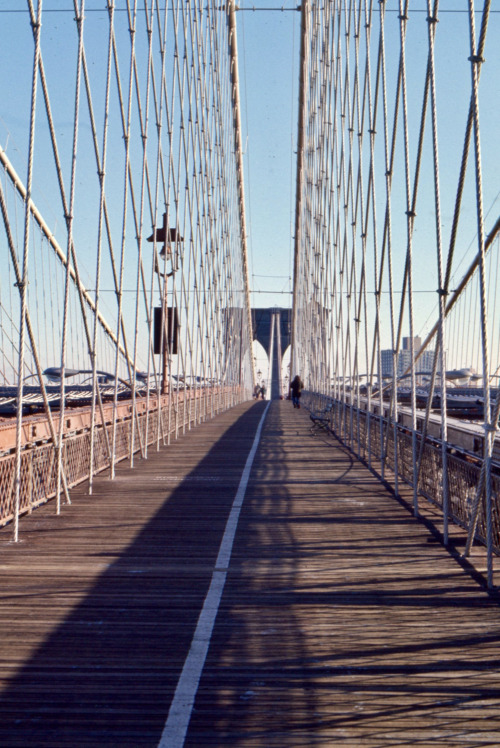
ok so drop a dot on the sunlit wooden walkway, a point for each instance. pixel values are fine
(342, 621)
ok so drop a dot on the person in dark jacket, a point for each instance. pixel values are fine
(296, 387)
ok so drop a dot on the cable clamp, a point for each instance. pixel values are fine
(477, 59)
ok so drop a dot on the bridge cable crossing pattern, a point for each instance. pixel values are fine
(387, 194)
(148, 101)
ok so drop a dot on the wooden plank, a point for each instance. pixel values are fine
(342, 621)
(98, 606)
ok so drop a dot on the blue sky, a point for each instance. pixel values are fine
(268, 50)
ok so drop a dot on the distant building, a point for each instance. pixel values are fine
(387, 363)
(417, 343)
(424, 363)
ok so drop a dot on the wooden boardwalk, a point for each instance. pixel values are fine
(342, 621)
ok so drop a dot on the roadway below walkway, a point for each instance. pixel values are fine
(330, 617)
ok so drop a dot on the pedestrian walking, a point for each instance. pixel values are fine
(296, 387)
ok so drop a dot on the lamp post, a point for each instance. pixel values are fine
(166, 335)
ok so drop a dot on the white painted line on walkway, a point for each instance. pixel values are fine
(174, 732)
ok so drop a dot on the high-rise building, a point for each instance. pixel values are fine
(424, 363)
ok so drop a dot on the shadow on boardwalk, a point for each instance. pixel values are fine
(340, 624)
(343, 623)
(98, 606)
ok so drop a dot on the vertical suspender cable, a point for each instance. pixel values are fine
(69, 224)
(24, 280)
(235, 99)
(297, 263)
(489, 428)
